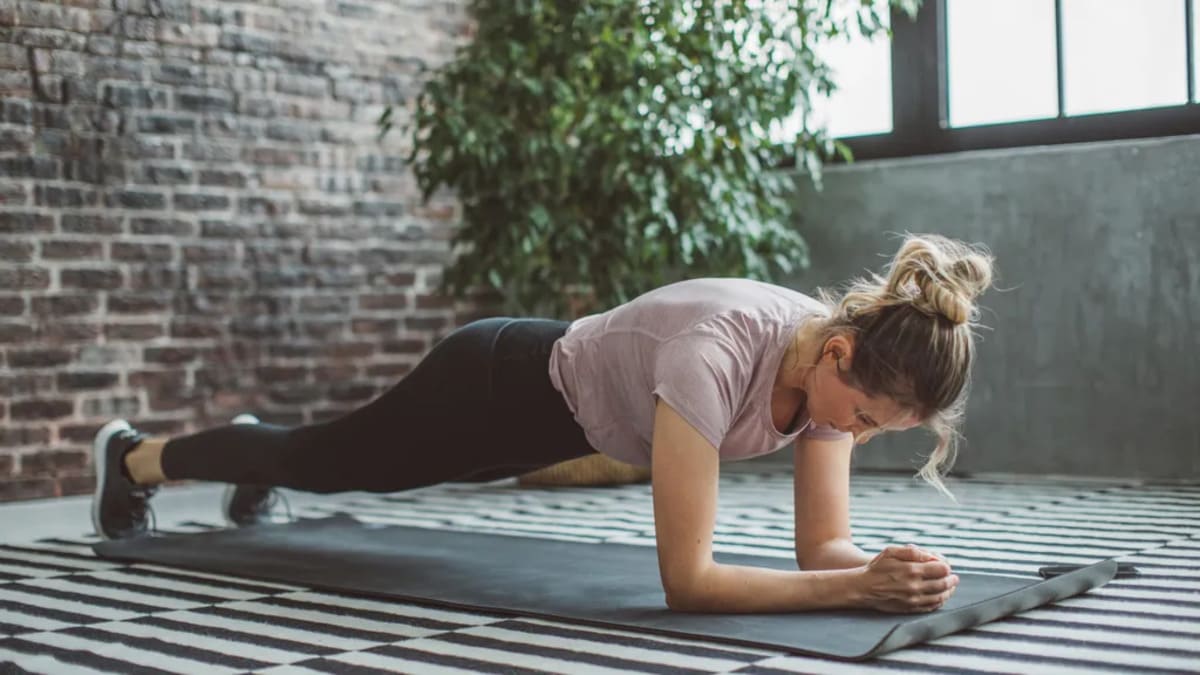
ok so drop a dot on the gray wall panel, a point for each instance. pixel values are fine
(1089, 364)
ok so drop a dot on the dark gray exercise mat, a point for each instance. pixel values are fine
(613, 585)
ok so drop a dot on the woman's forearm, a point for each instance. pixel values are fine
(835, 554)
(741, 589)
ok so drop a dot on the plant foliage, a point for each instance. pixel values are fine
(611, 146)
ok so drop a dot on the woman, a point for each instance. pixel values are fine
(680, 378)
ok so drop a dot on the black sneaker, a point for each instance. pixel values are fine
(245, 505)
(120, 508)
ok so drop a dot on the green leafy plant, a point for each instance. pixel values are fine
(600, 148)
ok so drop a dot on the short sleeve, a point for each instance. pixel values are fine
(704, 379)
(824, 432)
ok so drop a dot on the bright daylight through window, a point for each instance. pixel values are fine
(1001, 63)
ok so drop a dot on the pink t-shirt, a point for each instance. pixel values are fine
(710, 348)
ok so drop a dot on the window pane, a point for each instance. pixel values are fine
(1001, 61)
(862, 71)
(1122, 56)
(1196, 51)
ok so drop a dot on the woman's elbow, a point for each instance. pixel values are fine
(683, 593)
(681, 601)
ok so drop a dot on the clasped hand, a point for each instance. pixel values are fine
(906, 579)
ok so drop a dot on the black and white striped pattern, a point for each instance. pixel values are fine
(64, 611)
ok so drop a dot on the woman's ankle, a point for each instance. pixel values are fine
(142, 464)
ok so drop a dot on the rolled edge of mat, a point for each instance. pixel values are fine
(1033, 595)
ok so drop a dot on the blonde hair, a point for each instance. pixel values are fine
(913, 335)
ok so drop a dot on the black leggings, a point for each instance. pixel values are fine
(478, 407)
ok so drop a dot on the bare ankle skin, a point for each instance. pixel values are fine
(144, 462)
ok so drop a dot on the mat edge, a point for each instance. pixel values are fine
(880, 647)
(1066, 586)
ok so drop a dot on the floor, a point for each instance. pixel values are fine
(64, 611)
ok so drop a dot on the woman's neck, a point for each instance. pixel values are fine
(800, 357)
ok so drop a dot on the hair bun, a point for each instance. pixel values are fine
(940, 276)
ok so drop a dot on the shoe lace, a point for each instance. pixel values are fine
(139, 505)
(275, 499)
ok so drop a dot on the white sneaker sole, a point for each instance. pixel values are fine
(227, 496)
(100, 465)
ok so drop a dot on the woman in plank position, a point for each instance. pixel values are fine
(681, 378)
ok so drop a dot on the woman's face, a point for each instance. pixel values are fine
(833, 402)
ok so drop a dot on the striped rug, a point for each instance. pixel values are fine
(64, 611)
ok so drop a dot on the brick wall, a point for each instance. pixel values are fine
(196, 218)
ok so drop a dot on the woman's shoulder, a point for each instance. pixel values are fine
(704, 303)
(735, 295)
(729, 306)
(730, 289)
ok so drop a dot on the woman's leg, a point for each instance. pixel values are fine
(479, 405)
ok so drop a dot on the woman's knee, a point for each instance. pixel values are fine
(313, 462)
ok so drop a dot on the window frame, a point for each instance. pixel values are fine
(920, 95)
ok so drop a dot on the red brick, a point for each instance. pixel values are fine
(60, 305)
(71, 250)
(16, 251)
(16, 332)
(163, 427)
(53, 462)
(434, 302)
(24, 278)
(76, 433)
(170, 355)
(19, 489)
(80, 484)
(282, 374)
(373, 326)
(405, 346)
(13, 436)
(389, 370)
(92, 279)
(80, 381)
(12, 305)
(335, 372)
(42, 408)
(158, 379)
(350, 350)
(136, 332)
(379, 301)
(39, 358)
(174, 399)
(60, 332)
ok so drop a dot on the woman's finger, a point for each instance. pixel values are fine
(934, 555)
(935, 569)
(938, 586)
(936, 601)
(908, 553)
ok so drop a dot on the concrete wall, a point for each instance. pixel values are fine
(1092, 363)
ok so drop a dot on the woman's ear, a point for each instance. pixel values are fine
(838, 348)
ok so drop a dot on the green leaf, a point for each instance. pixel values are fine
(619, 145)
(686, 247)
(540, 216)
